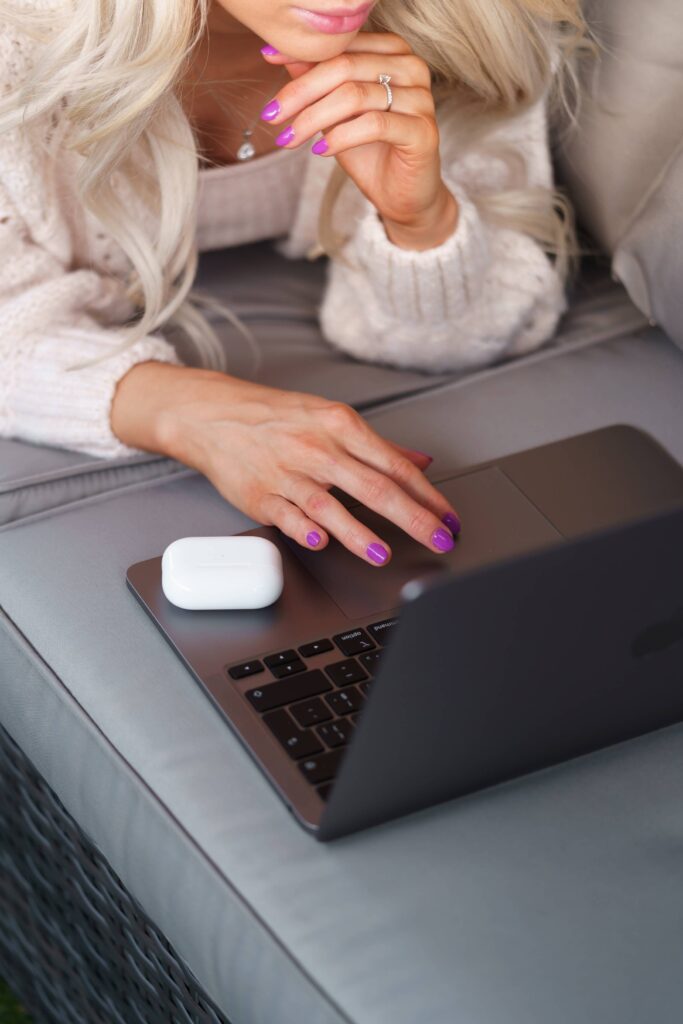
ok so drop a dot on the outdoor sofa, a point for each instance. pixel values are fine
(148, 872)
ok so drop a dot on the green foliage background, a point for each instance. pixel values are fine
(10, 1010)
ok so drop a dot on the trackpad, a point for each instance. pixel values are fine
(498, 522)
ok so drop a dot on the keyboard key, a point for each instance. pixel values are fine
(311, 712)
(344, 672)
(336, 734)
(355, 719)
(370, 660)
(290, 669)
(288, 690)
(382, 631)
(353, 642)
(324, 791)
(297, 742)
(364, 687)
(317, 647)
(249, 668)
(323, 767)
(345, 701)
(280, 659)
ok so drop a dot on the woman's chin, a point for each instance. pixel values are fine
(312, 48)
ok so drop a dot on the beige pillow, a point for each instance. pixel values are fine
(649, 258)
(623, 168)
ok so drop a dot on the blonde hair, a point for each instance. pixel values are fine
(114, 66)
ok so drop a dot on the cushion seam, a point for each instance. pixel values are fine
(71, 472)
(45, 494)
(93, 498)
(647, 196)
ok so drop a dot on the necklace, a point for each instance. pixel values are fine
(247, 150)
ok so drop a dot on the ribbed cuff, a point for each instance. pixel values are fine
(431, 285)
(48, 405)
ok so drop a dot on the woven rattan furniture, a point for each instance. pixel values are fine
(75, 944)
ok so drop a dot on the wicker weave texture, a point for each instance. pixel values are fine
(74, 944)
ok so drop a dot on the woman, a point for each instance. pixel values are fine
(440, 226)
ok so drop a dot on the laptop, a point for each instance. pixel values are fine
(553, 628)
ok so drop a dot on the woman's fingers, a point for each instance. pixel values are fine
(294, 66)
(394, 462)
(367, 450)
(349, 101)
(321, 507)
(277, 511)
(417, 137)
(406, 70)
(416, 484)
(381, 494)
(419, 459)
(364, 42)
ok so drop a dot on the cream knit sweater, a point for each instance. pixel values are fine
(486, 291)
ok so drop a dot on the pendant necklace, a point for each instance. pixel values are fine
(247, 150)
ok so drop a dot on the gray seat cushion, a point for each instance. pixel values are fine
(278, 300)
(545, 398)
(34, 477)
(554, 898)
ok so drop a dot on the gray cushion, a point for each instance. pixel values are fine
(278, 300)
(555, 898)
(621, 166)
(636, 380)
(36, 477)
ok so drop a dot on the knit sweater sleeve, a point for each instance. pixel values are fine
(47, 325)
(486, 292)
(49, 304)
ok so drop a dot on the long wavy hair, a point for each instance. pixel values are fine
(115, 67)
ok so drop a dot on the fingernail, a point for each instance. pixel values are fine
(442, 540)
(284, 137)
(270, 110)
(313, 538)
(269, 51)
(424, 454)
(452, 522)
(377, 553)
(320, 147)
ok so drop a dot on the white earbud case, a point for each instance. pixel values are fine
(210, 573)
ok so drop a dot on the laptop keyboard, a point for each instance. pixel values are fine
(313, 712)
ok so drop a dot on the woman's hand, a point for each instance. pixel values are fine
(275, 455)
(393, 156)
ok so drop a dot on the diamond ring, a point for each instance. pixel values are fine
(384, 80)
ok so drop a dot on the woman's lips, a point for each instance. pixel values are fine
(336, 21)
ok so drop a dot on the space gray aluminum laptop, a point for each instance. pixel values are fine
(553, 628)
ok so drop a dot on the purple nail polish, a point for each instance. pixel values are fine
(442, 540)
(269, 51)
(284, 137)
(270, 110)
(320, 147)
(377, 553)
(452, 522)
(313, 538)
